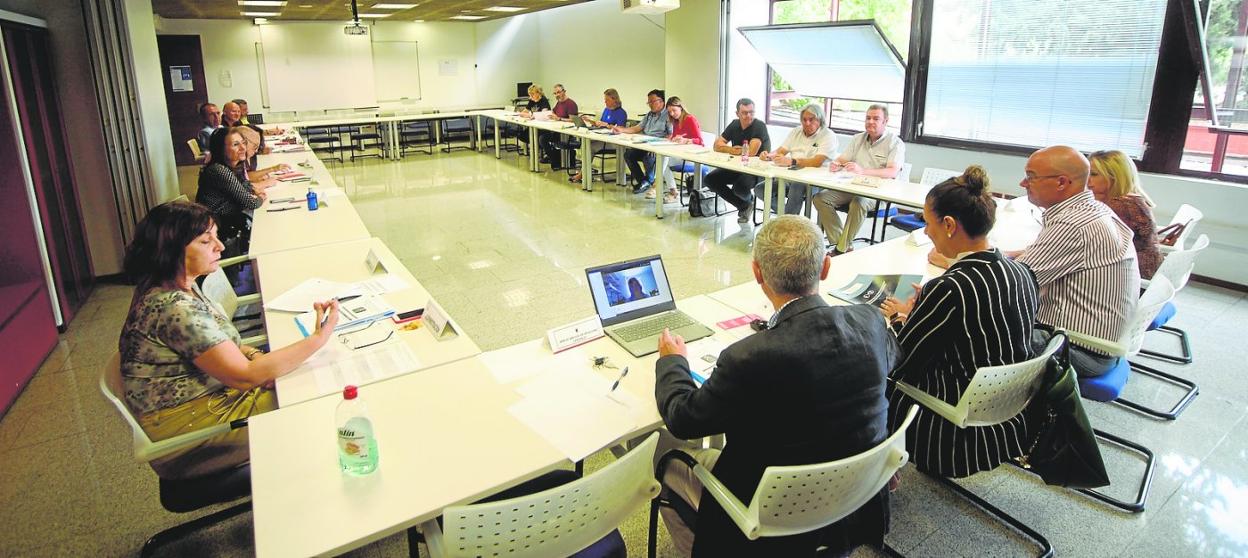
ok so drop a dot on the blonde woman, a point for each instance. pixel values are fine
(613, 114)
(1115, 182)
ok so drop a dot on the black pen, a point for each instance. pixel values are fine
(288, 208)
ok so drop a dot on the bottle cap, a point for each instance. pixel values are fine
(349, 392)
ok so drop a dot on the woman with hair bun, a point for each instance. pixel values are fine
(979, 313)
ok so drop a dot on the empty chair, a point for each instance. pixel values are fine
(888, 211)
(1188, 216)
(791, 500)
(914, 221)
(364, 138)
(416, 136)
(457, 129)
(195, 150)
(561, 521)
(1177, 268)
(183, 495)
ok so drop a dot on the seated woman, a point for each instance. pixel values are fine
(612, 115)
(1115, 182)
(979, 313)
(537, 103)
(183, 365)
(226, 192)
(685, 129)
(260, 179)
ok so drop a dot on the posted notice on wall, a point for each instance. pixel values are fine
(180, 77)
(448, 67)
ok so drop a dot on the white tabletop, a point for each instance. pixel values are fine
(344, 262)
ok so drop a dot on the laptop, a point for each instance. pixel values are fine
(635, 304)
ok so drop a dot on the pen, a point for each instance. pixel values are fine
(284, 200)
(623, 373)
(288, 208)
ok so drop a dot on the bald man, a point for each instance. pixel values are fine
(231, 115)
(1084, 259)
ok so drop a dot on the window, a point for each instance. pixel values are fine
(784, 101)
(1221, 149)
(1028, 73)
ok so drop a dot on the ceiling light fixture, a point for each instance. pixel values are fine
(261, 21)
(375, 15)
(261, 14)
(467, 17)
(355, 28)
(265, 3)
(505, 9)
(394, 6)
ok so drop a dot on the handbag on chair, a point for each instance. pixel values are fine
(1064, 451)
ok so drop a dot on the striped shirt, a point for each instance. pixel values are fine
(979, 313)
(1085, 263)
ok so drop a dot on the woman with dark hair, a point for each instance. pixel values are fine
(226, 192)
(183, 364)
(979, 313)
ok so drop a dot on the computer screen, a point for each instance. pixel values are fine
(629, 288)
(522, 89)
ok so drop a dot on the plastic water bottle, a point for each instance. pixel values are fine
(357, 445)
(312, 204)
(745, 154)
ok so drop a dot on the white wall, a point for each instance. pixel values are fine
(507, 53)
(150, 93)
(748, 71)
(592, 46)
(692, 41)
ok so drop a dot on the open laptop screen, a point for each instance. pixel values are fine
(629, 290)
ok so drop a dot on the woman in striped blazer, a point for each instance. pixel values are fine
(979, 313)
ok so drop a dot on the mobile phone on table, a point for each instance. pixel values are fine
(403, 317)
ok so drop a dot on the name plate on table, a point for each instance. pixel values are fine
(435, 319)
(576, 333)
(373, 262)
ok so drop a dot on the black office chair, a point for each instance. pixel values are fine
(364, 138)
(325, 140)
(457, 129)
(416, 136)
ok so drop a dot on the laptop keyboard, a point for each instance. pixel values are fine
(654, 326)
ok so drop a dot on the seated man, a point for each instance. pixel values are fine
(874, 152)
(1084, 258)
(809, 389)
(211, 116)
(242, 107)
(565, 110)
(655, 124)
(810, 145)
(745, 134)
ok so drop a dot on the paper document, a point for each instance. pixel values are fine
(576, 411)
(874, 289)
(336, 366)
(703, 354)
(351, 314)
(381, 285)
(528, 359)
(300, 297)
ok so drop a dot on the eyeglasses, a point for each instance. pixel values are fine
(1032, 179)
(349, 338)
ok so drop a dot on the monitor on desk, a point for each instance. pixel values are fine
(522, 89)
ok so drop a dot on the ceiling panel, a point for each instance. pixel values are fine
(340, 10)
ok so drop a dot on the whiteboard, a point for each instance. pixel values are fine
(396, 70)
(315, 66)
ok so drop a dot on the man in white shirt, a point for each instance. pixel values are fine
(810, 145)
(874, 152)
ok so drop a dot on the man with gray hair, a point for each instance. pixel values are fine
(810, 145)
(874, 152)
(807, 389)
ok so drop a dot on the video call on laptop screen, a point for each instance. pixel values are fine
(629, 286)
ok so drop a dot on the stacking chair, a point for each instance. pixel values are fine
(195, 150)
(932, 176)
(1186, 214)
(217, 288)
(364, 138)
(457, 129)
(1177, 268)
(791, 500)
(416, 136)
(996, 394)
(887, 211)
(578, 518)
(183, 495)
(325, 140)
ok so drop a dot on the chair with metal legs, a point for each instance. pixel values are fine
(1177, 268)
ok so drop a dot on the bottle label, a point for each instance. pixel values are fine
(354, 436)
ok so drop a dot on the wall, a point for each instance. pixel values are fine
(81, 113)
(229, 52)
(150, 93)
(692, 39)
(507, 54)
(592, 46)
(747, 72)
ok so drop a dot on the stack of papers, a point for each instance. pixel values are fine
(300, 297)
(336, 366)
(351, 313)
(528, 359)
(575, 410)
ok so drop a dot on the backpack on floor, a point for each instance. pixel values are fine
(700, 204)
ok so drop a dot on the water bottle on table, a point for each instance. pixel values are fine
(312, 204)
(357, 444)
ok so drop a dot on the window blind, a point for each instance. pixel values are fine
(1028, 73)
(839, 59)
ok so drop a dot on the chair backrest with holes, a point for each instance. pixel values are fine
(1178, 265)
(556, 522)
(999, 393)
(1188, 214)
(218, 289)
(933, 176)
(903, 174)
(798, 499)
(1158, 293)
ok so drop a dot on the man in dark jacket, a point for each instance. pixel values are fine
(809, 389)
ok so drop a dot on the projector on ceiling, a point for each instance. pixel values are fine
(355, 29)
(648, 6)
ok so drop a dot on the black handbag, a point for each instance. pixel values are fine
(1064, 450)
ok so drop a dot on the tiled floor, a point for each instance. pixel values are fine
(504, 249)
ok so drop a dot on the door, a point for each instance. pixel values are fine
(182, 69)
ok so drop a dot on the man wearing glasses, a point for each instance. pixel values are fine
(565, 109)
(1084, 259)
(874, 152)
(655, 124)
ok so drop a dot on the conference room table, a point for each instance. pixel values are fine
(445, 437)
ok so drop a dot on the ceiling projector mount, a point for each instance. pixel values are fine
(354, 28)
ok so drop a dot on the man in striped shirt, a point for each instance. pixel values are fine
(1084, 259)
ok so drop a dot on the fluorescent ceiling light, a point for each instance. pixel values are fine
(261, 21)
(261, 14)
(394, 6)
(265, 3)
(467, 17)
(374, 15)
(504, 9)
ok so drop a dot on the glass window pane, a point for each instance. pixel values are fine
(1225, 150)
(1027, 73)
